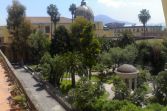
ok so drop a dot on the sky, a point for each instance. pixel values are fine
(124, 10)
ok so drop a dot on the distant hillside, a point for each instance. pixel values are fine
(106, 19)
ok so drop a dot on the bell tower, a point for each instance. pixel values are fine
(164, 3)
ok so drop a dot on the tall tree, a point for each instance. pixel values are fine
(52, 68)
(72, 9)
(84, 42)
(20, 42)
(90, 47)
(130, 54)
(157, 58)
(106, 44)
(39, 44)
(126, 38)
(16, 14)
(19, 29)
(61, 41)
(144, 16)
(76, 32)
(116, 56)
(143, 57)
(73, 65)
(54, 15)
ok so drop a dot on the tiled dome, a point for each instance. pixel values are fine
(84, 11)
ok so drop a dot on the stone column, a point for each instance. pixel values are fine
(135, 83)
(130, 84)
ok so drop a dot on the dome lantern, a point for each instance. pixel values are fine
(83, 3)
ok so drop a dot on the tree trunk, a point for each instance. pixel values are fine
(90, 74)
(55, 26)
(72, 18)
(144, 30)
(73, 78)
(50, 78)
(51, 29)
(22, 61)
(113, 69)
(21, 57)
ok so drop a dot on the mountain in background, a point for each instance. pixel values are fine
(106, 19)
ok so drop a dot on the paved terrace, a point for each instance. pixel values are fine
(38, 95)
(4, 90)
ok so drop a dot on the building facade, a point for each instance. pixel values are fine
(138, 31)
(44, 24)
(5, 37)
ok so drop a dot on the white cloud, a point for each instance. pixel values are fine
(112, 3)
(125, 3)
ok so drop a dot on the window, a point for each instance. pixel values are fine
(146, 29)
(1, 40)
(134, 30)
(137, 30)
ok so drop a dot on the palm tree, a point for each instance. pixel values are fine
(54, 15)
(144, 16)
(72, 9)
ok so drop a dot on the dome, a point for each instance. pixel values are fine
(126, 68)
(84, 11)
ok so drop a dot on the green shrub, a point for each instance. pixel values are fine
(85, 94)
(131, 107)
(95, 78)
(161, 89)
(154, 107)
(67, 75)
(114, 105)
(65, 86)
(20, 99)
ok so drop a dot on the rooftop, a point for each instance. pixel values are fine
(46, 20)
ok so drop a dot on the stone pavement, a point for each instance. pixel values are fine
(38, 95)
(109, 89)
(4, 90)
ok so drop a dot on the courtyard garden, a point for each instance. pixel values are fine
(84, 67)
